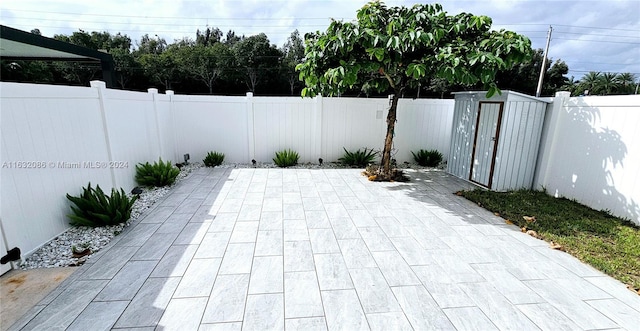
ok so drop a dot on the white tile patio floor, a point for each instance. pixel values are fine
(264, 249)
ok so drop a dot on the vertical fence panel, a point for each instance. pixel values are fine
(284, 123)
(351, 123)
(206, 123)
(166, 133)
(423, 124)
(590, 153)
(133, 132)
(62, 128)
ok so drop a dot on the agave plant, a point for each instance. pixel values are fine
(156, 174)
(358, 158)
(94, 208)
(430, 158)
(286, 158)
(213, 159)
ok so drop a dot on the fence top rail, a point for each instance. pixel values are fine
(41, 91)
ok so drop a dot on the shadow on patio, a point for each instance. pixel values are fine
(324, 249)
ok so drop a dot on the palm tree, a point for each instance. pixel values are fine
(608, 83)
(626, 83)
(590, 82)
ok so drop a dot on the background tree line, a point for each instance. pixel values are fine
(214, 62)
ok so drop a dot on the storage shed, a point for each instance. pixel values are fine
(495, 141)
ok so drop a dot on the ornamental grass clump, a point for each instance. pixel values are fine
(157, 174)
(286, 158)
(94, 208)
(427, 158)
(359, 158)
(213, 159)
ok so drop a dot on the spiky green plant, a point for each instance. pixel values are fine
(358, 158)
(286, 158)
(156, 174)
(213, 159)
(94, 208)
(430, 158)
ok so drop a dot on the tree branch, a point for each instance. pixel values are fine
(391, 83)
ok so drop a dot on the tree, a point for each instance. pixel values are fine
(148, 45)
(256, 57)
(626, 83)
(589, 83)
(391, 49)
(231, 38)
(523, 77)
(607, 84)
(207, 64)
(126, 66)
(293, 53)
(208, 37)
(156, 60)
(82, 73)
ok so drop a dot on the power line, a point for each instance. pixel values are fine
(598, 34)
(279, 19)
(171, 17)
(164, 24)
(571, 26)
(140, 31)
(600, 41)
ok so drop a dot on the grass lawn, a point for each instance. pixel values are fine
(608, 243)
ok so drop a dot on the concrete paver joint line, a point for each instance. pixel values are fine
(327, 249)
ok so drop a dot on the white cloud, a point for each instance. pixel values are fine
(583, 30)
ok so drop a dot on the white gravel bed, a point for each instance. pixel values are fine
(59, 251)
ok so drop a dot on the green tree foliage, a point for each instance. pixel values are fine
(523, 77)
(27, 71)
(202, 65)
(158, 61)
(599, 83)
(389, 49)
(256, 58)
(608, 83)
(82, 73)
(231, 38)
(627, 83)
(208, 37)
(292, 55)
(148, 45)
(207, 64)
(126, 66)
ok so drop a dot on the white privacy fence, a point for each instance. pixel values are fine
(590, 151)
(246, 128)
(56, 139)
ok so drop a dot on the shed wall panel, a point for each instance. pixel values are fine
(518, 143)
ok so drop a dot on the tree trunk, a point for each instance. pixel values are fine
(388, 140)
(292, 82)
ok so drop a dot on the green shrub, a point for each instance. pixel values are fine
(286, 158)
(94, 208)
(213, 159)
(358, 158)
(429, 158)
(156, 174)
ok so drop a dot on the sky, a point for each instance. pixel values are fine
(588, 35)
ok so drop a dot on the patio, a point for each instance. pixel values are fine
(232, 249)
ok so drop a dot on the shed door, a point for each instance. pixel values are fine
(485, 142)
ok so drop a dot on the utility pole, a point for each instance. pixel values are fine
(544, 63)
